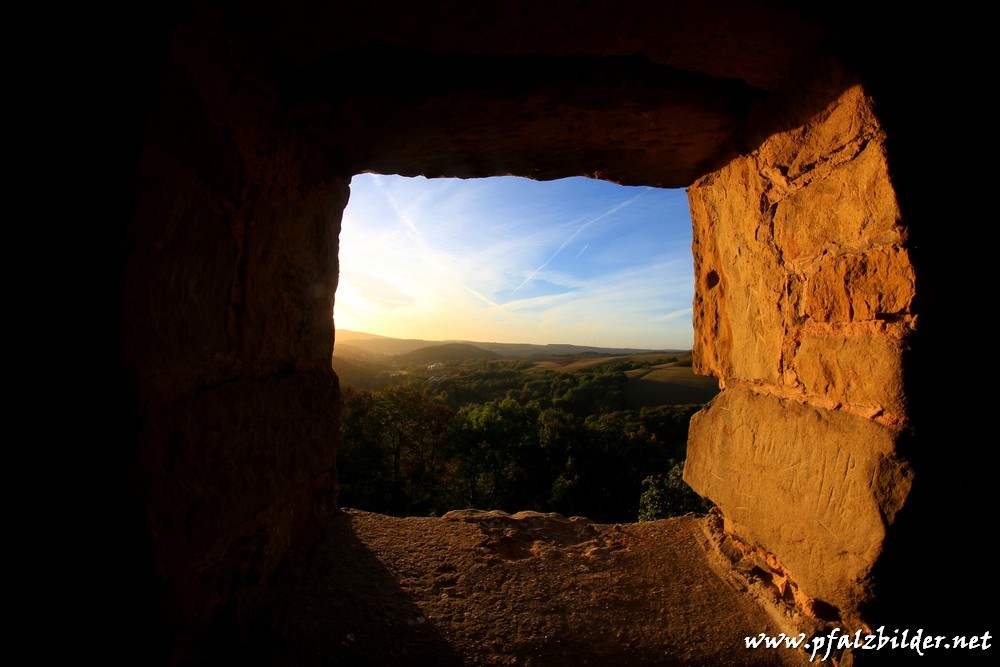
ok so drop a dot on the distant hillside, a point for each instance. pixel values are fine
(345, 351)
(530, 351)
(347, 334)
(359, 374)
(446, 352)
(349, 343)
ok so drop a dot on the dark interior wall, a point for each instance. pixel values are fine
(259, 164)
(925, 89)
(229, 277)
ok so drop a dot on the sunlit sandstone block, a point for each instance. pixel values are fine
(816, 487)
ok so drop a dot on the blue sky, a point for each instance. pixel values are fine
(509, 259)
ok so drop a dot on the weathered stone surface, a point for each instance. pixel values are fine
(802, 232)
(230, 272)
(761, 42)
(630, 119)
(815, 487)
(821, 140)
(852, 287)
(178, 272)
(737, 264)
(861, 372)
(516, 590)
(804, 293)
(290, 279)
(231, 476)
(713, 336)
(850, 209)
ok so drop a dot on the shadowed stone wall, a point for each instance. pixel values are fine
(230, 274)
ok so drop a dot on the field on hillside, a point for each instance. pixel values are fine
(663, 381)
(666, 386)
(569, 364)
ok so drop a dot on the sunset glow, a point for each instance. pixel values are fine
(509, 259)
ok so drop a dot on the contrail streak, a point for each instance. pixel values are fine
(577, 233)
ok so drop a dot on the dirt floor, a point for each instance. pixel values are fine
(487, 588)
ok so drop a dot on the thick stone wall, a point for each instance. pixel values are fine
(230, 271)
(804, 288)
(256, 119)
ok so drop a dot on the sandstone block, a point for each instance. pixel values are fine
(179, 268)
(863, 372)
(740, 280)
(291, 276)
(230, 475)
(815, 487)
(851, 208)
(828, 137)
(853, 287)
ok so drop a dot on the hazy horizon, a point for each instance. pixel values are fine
(365, 334)
(510, 260)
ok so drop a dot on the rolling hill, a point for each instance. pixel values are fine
(350, 342)
(446, 352)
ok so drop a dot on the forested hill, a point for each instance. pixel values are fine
(447, 352)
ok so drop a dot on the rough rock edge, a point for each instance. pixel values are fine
(757, 573)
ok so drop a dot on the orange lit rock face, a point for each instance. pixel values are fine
(815, 486)
(803, 312)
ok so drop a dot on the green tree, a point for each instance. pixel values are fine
(497, 450)
(669, 496)
(361, 463)
(393, 443)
